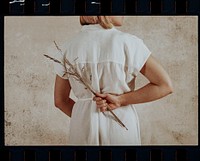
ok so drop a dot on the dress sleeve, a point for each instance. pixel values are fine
(59, 68)
(138, 53)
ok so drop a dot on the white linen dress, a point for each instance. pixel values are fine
(111, 60)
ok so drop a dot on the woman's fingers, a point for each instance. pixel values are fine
(103, 100)
(102, 106)
(103, 109)
(97, 98)
(101, 103)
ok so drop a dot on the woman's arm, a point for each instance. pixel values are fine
(61, 96)
(159, 86)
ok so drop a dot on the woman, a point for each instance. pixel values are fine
(111, 60)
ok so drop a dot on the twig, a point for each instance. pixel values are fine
(55, 60)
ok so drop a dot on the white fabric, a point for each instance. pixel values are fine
(111, 59)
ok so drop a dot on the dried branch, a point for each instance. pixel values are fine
(55, 60)
(72, 70)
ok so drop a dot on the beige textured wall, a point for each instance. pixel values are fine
(30, 115)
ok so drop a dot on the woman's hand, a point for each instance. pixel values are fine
(105, 100)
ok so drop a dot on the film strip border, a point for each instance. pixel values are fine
(77, 7)
(71, 7)
(101, 154)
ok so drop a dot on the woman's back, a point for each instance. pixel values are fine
(106, 55)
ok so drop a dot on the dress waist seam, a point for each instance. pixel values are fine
(84, 99)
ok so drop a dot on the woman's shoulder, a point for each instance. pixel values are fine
(128, 36)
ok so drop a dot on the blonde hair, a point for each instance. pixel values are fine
(104, 21)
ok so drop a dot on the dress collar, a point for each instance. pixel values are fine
(94, 27)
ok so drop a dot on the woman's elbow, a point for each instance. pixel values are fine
(57, 103)
(169, 88)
